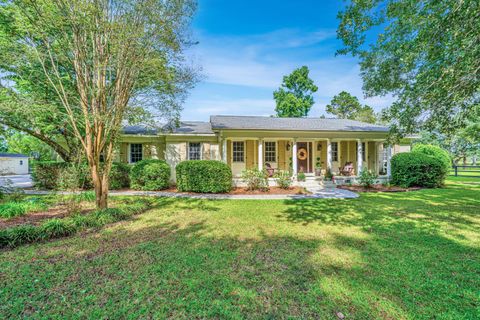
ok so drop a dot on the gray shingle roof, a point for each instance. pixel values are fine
(186, 127)
(13, 155)
(194, 127)
(291, 124)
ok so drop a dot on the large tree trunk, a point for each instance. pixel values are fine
(100, 184)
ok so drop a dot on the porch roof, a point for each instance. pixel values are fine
(291, 124)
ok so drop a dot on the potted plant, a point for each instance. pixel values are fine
(318, 167)
(329, 175)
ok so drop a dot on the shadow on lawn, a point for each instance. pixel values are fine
(390, 269)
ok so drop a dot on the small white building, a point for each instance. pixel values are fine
(11, 163)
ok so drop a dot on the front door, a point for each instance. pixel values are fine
(304, 159)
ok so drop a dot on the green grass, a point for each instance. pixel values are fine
(12, 209)
(411, 255)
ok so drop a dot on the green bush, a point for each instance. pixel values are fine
(119, 176)
(284, 179)
(417, 169)
(435, 152)
(255, 179)
(46, 174)
(15, 209)
(206, 176)
(150, 175)
(367, 178)
(56, 228)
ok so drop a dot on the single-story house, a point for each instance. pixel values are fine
(243, 142)
(13, 163)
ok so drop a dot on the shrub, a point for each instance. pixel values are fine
(206, 176)
(417, 169)
(46, 174)
(367, 178)
(56, 228)
(435, 152)
(284, 179)
(15, 209)
(301, 176)
(16, 236)
(255, 179)
(150, 175)
(119, 177)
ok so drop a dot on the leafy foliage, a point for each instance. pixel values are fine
(46, 174)
(57, 228)
(435, 152)
(206, 176)
(426, 56)
(367, 178)
(294, 98)
(346, 106)
(12, 209)
(301, 176)
(255, 179)
(119, 176)
(284, 179)
(150, 175)
(416, 169)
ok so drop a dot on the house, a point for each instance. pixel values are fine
(12, 163)
(243, 142)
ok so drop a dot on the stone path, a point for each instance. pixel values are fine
(330, 193)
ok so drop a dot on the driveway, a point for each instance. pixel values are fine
(17, 181)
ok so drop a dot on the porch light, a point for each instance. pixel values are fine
(288, 146)
(319, 146)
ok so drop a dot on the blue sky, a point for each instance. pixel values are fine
(246, 47)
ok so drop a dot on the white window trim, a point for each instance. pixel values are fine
(201, 150)
(244, 151)
(265, 151)
(130, 152)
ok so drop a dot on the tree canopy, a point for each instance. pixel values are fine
(346, 106)
(295, 96)
(29, 30)
(424, 53)
(77, 65)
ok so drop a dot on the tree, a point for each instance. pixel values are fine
(426, 55)
(294, 97)
(98, 57)
(22, 143)
(346, 106)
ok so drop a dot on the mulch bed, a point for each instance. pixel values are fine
(37, 218)
(377, 188)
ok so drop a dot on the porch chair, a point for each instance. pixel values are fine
(347, 169)
(269, 169)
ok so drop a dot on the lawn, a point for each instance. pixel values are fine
(411, 255)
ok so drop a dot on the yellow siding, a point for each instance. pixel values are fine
(229, 152)
(206, 151)
(124, 152)
(282, 161)
(250, 153)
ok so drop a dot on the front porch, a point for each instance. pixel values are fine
(313, 157)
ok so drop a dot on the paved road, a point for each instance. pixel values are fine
(17, 181)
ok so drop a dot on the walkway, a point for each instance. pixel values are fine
(17, 181)
(316, 194)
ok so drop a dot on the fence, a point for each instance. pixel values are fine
(466, 171)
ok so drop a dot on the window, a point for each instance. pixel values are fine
(334, 151)
(238, 151)
(136, 152)
(270, 151)
(21, 162)
(194, 151)
(364, 152)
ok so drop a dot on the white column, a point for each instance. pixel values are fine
(359, 156)
(294, 157)
(329, 155)
(389, 157)
(260, 154)
(224, 150)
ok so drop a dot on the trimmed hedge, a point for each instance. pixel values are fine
(415, 169)
(435, 152)
(119, 176)
(150, 175)
(205, 176)
(46, 175)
